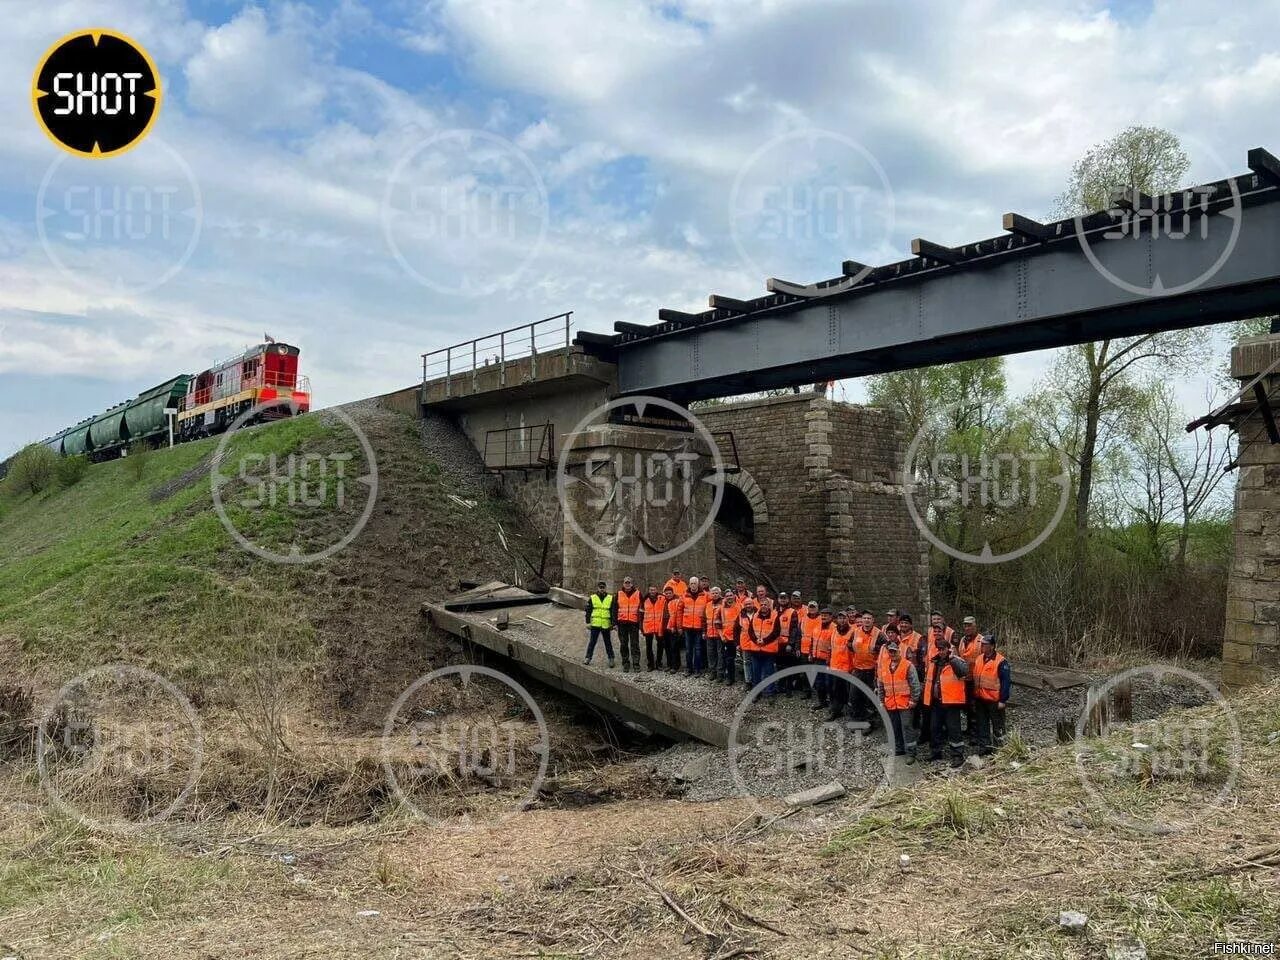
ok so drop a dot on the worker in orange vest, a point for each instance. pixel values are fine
(725, 659)
(810, 620)
(677, 584)
(694, 622)
(944, 698)
(898, 686)
(913, 648)
(627, 604)
(891, 618)
(653, 615)
(820, 654)
(712, 632)
(742, 634)
(762, 644)
(842, 637)
(862, 661)
(938, 629)
(788, 638)
(674, 628)
(992, 683)
(969, 646)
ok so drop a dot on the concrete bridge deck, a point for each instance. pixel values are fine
(551, 647)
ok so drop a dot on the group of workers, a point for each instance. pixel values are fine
(938, 689)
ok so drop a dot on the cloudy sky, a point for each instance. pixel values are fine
(370, 180)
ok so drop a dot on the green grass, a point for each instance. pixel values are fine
(103, 570)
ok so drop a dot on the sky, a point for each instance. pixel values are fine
(374, 180)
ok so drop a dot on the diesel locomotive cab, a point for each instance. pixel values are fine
(264, 377)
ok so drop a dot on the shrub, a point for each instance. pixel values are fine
(71, 470)
(32, 469)
(137, 459)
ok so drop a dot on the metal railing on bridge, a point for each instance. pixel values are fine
(552, 335)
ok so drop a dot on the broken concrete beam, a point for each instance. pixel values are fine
(821, 794)
(567, 598)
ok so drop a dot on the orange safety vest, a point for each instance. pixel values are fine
(784, 625)
(730, 611)
(909, 644)
(971, 649)
(842, 649)
(952, 686)
(629, 606)
(808, 627)
(714, 626)
(897, 688)
(745, 644)
(694, 615)
(948, 633)
(763, 626)
(986, 678)
(655, 611)
(821, 646)
(675, 610)
(679, 586)
(864, 648)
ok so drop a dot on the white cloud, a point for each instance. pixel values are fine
(258, 77)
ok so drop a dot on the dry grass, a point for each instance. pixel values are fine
(994, 856)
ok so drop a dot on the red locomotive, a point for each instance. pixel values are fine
(264, 376)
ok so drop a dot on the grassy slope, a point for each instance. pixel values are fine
(122, 568)
(104, 571)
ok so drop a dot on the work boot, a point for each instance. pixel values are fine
(586, 661)
(626, 666)
(611, 663)
(957, 762)
(911, 758)
(820, 705)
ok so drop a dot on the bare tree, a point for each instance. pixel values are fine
(1179, 475)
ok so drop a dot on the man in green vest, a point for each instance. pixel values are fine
(600, 614)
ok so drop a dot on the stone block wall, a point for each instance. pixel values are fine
(624, 520)
(1251, 643)
(837, 525)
